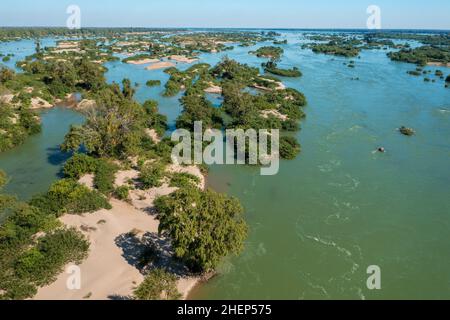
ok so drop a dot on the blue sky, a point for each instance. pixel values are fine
(404, 14)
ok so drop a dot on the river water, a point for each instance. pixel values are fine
(339, 207)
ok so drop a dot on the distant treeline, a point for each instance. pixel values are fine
(38, 32)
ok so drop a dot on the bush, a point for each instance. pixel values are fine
(40, 264)
(68, 196)
(79, 165)
(122, 193)
(153, 83)
(289, 148)
(181, 180)
(204, 226)
(105, 176)
(151, 175)
(158, 285)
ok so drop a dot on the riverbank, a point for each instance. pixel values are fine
(118, 237)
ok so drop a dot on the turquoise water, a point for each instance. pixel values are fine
(338, 208)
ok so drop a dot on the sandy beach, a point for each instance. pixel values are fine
(142, 61)
(160, 65)
(182, 59)
(438, 64)
(117, 236)
(213, 89)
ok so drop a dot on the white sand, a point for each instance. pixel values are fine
(182, 59)
(39, 103)
(160, 65)
(438, 64)
(143, 61)
(213, 89)
(86, 104)
(7, 98)
(153, 135)
(266, 113)
(106, 273)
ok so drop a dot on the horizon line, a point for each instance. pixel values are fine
(239, 28)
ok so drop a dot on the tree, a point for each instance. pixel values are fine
(6, 75)
(289, 148)
(158, 285)
(204, 226)
(128, 90)
(114, 130)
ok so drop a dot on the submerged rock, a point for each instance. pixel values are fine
(406, 131)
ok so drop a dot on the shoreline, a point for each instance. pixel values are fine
(116, 237)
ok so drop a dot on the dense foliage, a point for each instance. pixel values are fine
(16, 124)
(422, 55)
(33, 247)
(272, 67)
(204, 226)
(68, 196)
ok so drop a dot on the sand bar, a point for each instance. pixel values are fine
(160, 65)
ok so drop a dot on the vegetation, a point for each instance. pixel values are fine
(68, 196)
(345, 48)
(183, 180)
(153, 83)
(122, 193)
(151, 175)
(79, 165)
(289, 148)
(183, 80)
(105, 175)
(158, 285)
(28, 261)
(422, 55)
(274, 53)
(115, 128)
(204, 226)
(16, 124)
(272, 67)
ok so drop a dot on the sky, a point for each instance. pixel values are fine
(395, 14)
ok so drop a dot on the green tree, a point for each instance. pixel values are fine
(204, 226)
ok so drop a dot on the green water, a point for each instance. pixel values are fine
(338, 208)
(33, 166)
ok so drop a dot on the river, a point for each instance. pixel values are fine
(339, 207)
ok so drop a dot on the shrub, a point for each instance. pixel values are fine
(151, 175)
(105, 175)
(181, 180)
(289, 148)
(122, 193)
(68, 196)
(79, 165)
(40, 264)
(158, 285)
(153, 83)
